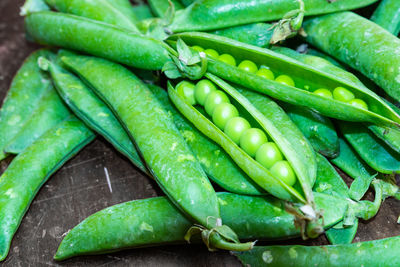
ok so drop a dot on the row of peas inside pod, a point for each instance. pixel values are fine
(338, 93)
(245, 134)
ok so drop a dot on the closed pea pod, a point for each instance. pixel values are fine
(119, 13)
(303, 75)
(160, 222)
(160, 144)
(387, 15)
(31, 169)
(24, 94)
(91, 110)
(90, 36)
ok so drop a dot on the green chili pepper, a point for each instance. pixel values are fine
(383, 252)
(159, 142)
(215, 162)
(50, 112)
(216, 14)
(31, 169)
(118, 13)
(371, 149)
(160, 222)
(91, 110)
(303, 75)
(387, 15)
(361, 44)
(92, 37)
(24, 94)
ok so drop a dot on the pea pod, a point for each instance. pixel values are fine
(118, 13)
(318, 129)
(50, 112)
(160, 7)
(273, 120)
(368, 48)
(90, 36)
(119, 227)
(215, 162)
(142, 12)
(371, 149)
(91, 110)
(383, 252)
(303, 75)
(387, 15)
(24, 94)
(160, 144)
(31, 169)
(205, 15)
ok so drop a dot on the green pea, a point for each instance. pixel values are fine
(228, 59)
(211, 53)
(213, 99)
(342, 94)
(223, 113)
(284, 79)
(235, 127)
(358, 103)
(266, 73)
(284, 172)
(186, 90)
(248, 65)
(268, 154)
(198, 48)
(202, 90)
(323, 92)
(251, 140)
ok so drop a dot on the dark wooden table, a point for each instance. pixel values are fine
(80, 188)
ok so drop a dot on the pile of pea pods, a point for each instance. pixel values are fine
(266, 99)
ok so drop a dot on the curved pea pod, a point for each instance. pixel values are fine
(283, 132)
(318, 129)
(163, 149)
(155, 221)
(92, 37)
(118, 13)
(216, 163)
(205, 15)
(31, 169)
(258, 34)
(387, 15)
(367, 47)
(50, 112)
(383, 252)
(371, 149)
(304, 76)
(26, 90)
(92, 111)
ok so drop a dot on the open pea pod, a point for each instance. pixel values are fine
(306, 78)
(272, 120)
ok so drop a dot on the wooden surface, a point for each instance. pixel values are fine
(80, 188)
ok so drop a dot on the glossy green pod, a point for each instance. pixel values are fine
(205, 15)
(163, 149)
(272, 120)
(155, 221)
(318, 129)
(216, 163)
(115, 12)
(92, 111)
(367, 47)
(351, 163)
(372, 150)
(22, 99)
(387, 15)
(31, 169)
(91, 36)
(304, 76)
(383, 252)
(50, 112)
